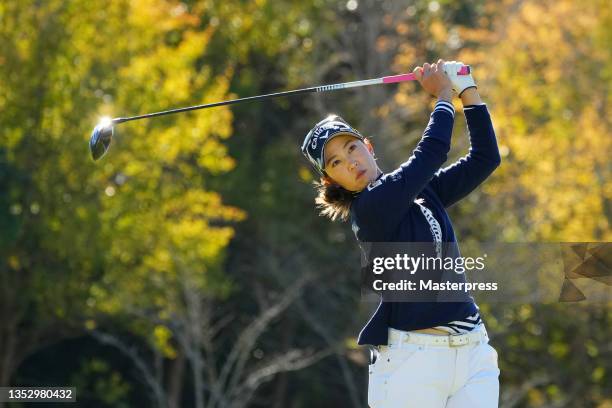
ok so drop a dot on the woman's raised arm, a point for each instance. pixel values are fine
(456, 181)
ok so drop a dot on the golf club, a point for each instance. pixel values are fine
(102, 134)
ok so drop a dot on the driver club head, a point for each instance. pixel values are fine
(101, 139)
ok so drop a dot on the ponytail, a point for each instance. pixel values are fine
(333, 201)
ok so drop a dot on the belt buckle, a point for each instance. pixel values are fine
(451, 343)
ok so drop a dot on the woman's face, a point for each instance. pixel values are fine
(350, 162)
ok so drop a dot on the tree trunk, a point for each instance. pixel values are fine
(280, 391)
(7, 363)
(198, 377)
(175, 380)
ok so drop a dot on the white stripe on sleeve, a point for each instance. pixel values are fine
(446, 107)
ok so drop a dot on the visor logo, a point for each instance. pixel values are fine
(332, 127)
(316, 138)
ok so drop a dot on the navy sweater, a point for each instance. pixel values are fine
(385, 211)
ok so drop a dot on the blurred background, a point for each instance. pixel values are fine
(189, 266)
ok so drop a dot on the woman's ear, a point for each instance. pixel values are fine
(369, 145)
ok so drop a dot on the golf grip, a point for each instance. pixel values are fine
(465, 70)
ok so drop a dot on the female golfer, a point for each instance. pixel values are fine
(426, 354)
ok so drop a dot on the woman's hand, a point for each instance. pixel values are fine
(460, 82)
(434, 80)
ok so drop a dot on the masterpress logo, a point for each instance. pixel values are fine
(393, 270)
(431, 285)
(488, 272)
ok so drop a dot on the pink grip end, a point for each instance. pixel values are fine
(465, 70)
(398, 78)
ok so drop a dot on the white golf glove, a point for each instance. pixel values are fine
(460, 82)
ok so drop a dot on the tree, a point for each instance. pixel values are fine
(77, 228)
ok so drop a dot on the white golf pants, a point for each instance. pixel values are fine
(416, 374)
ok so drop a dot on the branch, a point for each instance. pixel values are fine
(132, 354)
(242, 348)
(330, 339)
(290, 361)
(514, 396)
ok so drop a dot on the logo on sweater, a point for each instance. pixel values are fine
(373, 185)
(434, 227)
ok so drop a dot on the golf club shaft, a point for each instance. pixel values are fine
(465, 70)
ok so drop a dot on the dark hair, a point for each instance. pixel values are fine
(333, 200)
